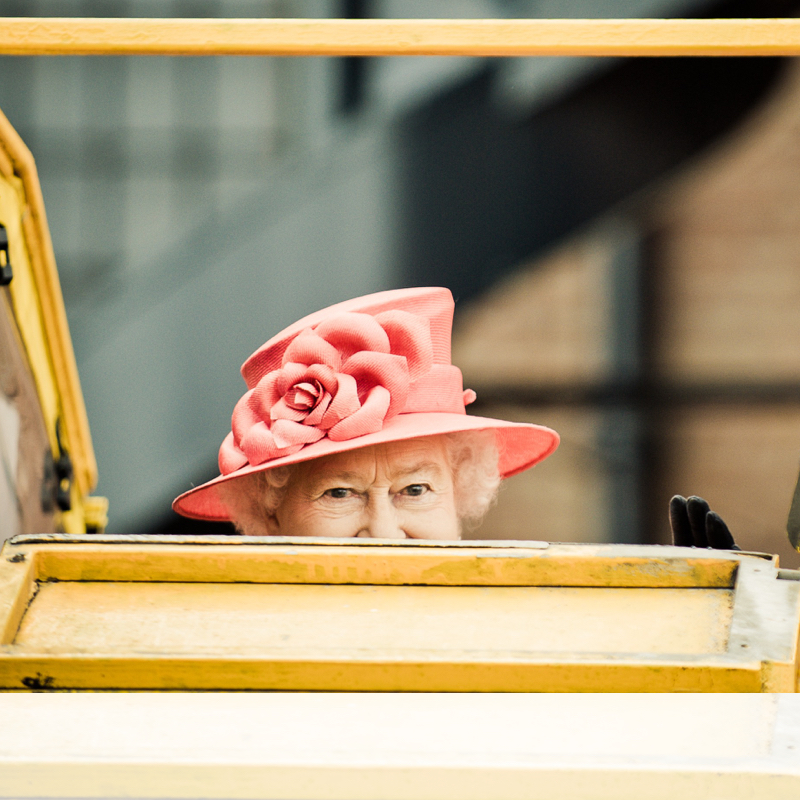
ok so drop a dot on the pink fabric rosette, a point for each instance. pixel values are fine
(343, 378)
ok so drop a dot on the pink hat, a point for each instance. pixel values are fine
(371, 370)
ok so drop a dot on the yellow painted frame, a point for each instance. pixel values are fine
(38, 306)
(761, 655)
(400, 37)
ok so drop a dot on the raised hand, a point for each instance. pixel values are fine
(694, 524)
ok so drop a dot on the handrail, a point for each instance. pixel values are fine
(30, 36)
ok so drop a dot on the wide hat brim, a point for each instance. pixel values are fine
(520, 445)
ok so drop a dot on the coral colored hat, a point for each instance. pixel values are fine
(371, 370)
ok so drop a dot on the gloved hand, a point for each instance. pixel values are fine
(694, 524)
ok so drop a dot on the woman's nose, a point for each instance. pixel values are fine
(381, 520)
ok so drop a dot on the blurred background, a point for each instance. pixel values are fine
(622, 237)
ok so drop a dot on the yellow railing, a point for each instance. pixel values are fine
(400, 37)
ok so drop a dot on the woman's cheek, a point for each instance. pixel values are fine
(315, 521)
(338, 523)
(430, 499)
(337, 506)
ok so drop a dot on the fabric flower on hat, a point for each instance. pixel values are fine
(343, 378)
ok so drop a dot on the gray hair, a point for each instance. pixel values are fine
(473, 456)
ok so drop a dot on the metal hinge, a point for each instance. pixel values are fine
(57, 478)
(64, 474)
(5, 261)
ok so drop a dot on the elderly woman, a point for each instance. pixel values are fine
(354, 424)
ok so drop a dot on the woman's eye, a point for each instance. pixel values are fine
(415, 490)
(339, 493)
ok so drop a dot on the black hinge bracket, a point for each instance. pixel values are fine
(5, 260)
(57, 478)
(64, 474)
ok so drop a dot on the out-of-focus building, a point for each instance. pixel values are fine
(713, 407)
(617, 234)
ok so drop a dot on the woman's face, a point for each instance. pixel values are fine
(398, 490)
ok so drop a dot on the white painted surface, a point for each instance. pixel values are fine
(394, 745)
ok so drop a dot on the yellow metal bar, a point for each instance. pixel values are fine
(20, 670)
(345, 565)
(6, 167)
(400, 37)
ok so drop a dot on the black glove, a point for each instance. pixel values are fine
(694, 524)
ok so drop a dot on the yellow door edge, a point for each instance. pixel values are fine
(75, 429)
